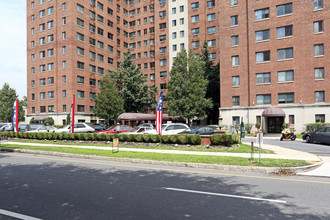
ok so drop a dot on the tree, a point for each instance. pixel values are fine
(131, 84)
(187, 88)
(7, 99)
(212, 74)
(108, 103)
(49, 121)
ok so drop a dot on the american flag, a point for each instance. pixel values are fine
(159, 114)
(72, 115)
(14, 117)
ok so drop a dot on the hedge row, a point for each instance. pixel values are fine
(311, 127)
(225, 139)
(148, 138)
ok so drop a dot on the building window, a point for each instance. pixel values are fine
(211, 30)
(234, 40)
(162, 38)
(51, 94)
(64, 93)
(50, 80)
(173, 11)
(263, 56)
(163, 86)
(80, 8)
(80, 51)
(50, 52)
(235, 81)
(163, 74)
(318, 50)
(234, 20)
(235, 100)
(318, 27)
(263, 99)
(236, 120)
(181, 21)
(211, 4)
(211, 43)
(80, 22)
(33, 109)
(63, 35)
(42, 96)
(161, 50)
(42, 13)
(80, 108)
(80, 65)
(195, 44)
(100, 70)
(319, 96)
(81, 94)
(263, 78)
(211, 17)
(291, 119)
(319, 73)
(285, 76)
(80, 79)
(42, 109)
(284, 9)
(163, 62)
(64, 50)
(50, 66)
(320, 118)
(285, 31)
(63, 79)
(286, 53)
(233, 2)
(92, 55)
(64, 21)
(181, 8)
(318, 4)
(194, 18)
(285, 98)
(162, 2)
(63, 64)
(194, 5)
(235, 60)
(258, 119)
(162, 14)
(261, 14)
(195, 31)
(92, 95)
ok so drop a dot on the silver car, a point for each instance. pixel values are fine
(168, 129)
(78, 128)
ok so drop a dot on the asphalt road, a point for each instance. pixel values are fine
(318, 149)
(45, 187)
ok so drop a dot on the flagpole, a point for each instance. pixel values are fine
(17, 115)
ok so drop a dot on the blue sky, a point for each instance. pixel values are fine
(13, 45)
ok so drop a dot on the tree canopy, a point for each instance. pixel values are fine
(187, 87)
(108, 103)
(212, 74)
(131, 84)
(7, 99)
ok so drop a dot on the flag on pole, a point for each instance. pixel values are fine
(14, 116)
(159, 114)
(72, 115)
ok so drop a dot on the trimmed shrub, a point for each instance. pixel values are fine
(60, 136)
(195, 139)
(100, 137)
(139, 137)
(50, 135)
(183, 139)
(131, 137)
(165, 139)
(40, 135)
(123, 137)
(109, 137)
(146, 138)
(75, 136)
(225, 139)
(25, 135)
(248, 127)
(154, 138)
(174, 139)
(88, 137)
(311, 127)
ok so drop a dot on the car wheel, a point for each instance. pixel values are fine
(308, 139)
(293, 137)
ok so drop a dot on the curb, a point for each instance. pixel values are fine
(263, 170)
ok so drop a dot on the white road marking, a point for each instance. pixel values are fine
(226, 195)
(17, 215)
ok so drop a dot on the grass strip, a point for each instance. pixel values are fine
(220, 160)
(243, 148)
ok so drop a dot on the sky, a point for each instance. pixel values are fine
(13, 45)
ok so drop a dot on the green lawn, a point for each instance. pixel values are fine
(221, 160)
(242, 148)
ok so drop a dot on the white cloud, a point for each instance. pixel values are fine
(13, 45)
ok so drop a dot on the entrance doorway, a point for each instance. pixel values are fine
(275, 124)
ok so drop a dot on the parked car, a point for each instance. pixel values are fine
(115, 130)
(29, 127)
(206, 130)
(3, 124)
(214, 126)
(146, 125)
(98, 128)
(139, 130)
(168, 129)
(43, 129)
(78, 128)
(321, 135)
(7, 127)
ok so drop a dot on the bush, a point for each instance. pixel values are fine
(50, 135)
(195, 139)
(139, 137)
(49, 120)
(60, 136)
(183, 139)
(88, 137)
(225, 139)
(123, 137)
(131, 137)
(40, 135)
(311, 127)
(100, 137)
(165, 139)
(154, 138)
(146, 138)
(174, 139)
(109, 137)
(248, 127)
(32, 121)
(75, 136)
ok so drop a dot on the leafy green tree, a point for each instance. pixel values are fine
(212, 74)
(7, 99)
(131, 84)
(187, 88)
(108, 103)
(49, 121)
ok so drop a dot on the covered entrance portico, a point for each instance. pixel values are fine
(274, 119)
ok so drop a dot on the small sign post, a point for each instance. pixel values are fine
(252, 152)
(115, 145)
(260, 141)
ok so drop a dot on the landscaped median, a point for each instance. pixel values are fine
(204, 161)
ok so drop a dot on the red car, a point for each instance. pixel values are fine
(113, 130)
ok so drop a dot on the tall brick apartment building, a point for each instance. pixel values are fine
(73, 44)
(271, 53)
(274, 62)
